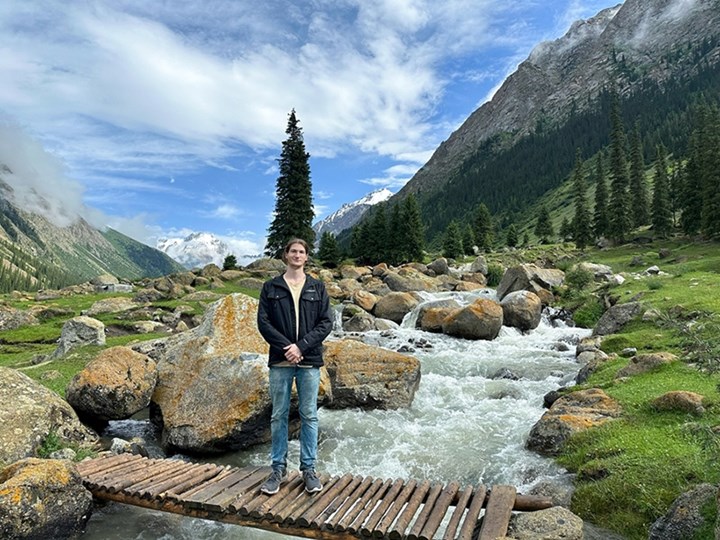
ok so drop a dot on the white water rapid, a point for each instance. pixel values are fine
(463, 425)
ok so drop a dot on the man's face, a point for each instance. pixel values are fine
(296, 256)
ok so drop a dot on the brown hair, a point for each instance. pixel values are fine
(292, 241)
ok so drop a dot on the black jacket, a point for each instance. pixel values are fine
(276, 319)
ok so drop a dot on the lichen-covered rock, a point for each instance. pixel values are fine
(79, 331)
(29, 412)
(482, 319)
(432, 314)
(556, 523)
(685, 515)
(41, 499)
(529, 277)
(111, 305)
(521, 310)
(116, 384)
(568, 415)
(642, 363)
(395, 306)
(616, 317)
(680, 401)
(370, 377)
(365, 300)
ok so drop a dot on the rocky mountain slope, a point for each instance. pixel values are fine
(34, 247)
(624, 47)
(195, 250)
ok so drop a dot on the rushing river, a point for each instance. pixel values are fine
(464, 425)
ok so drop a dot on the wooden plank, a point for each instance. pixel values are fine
(377, 514)
(213, 488)
(498, 512)
(356, 525)
(227, 471)
(352, 513)
(240, 491)
(296, 488)
(159, 472)
(300, 509)
(531, 503)
(438, 511)
(193, 481)
(332, 521)
(299, 501)
(468, 526)
(398, 530)
(263, 503)
(424, 514)
(381, 528)
(457, 514)
(99, 478)
(328, 495)
(337, 503)
(252, 491)
(120, 481)
(92, 466)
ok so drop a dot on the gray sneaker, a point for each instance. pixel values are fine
(312, 482)
(272, 485)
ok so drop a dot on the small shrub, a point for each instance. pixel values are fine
(495, 274)
(51, 443)
(654, 284)
(578, 279)
(588, 314)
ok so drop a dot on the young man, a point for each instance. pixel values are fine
(294, 318)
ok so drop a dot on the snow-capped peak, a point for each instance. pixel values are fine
(350, 213)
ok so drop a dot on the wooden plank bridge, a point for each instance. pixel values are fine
(348, 507)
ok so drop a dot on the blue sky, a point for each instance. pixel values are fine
(163, 118)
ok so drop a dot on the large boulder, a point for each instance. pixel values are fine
(482, 319)
(529, 277)
(432, 314)
(408, 279)
(29, 413)
(522, 310)
(78, 332)
(395, 306)
(12, 318)
(111, 305)
(212, 390)
(644, 363)
(568, 415)
(556, 523)
(370, 377)
(685, 516)
(616, 317)
(42, 499)
(116, 384)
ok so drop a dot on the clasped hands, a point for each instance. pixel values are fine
(293, 354)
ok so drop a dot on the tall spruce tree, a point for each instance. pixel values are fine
(619, 225)
(677, 181)
(601, 220)
(413, 230)
(452, 243)
(543, 226)
(328, 251)
(511, 236)
(468, 239)
(661, 213)
(378, 249)
(710, 172)
(293, 193)
(581, 226)
(640, 214)
(395, 248)
(483, 227)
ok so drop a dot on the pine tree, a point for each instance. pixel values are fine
(601, 221)
(452, 244)
(483, 227)
(293, 192)
(565, 229)
(544, 227)
(395, 247)
(413, 231)
(710, 172)
(677, 181)
(328, 251)
(378, 248)
(690, 218)
(620, 224)
(511, 236)
(661, 215)
(468, 239)
(640, 214)
(581, 226)
(230, 262)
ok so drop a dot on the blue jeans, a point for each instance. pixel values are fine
(307, 381)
